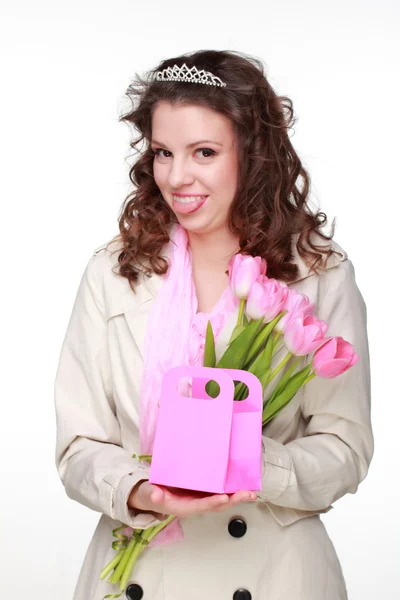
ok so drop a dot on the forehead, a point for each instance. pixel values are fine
(189, 122)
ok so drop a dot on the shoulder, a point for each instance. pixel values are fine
(109, 248)
(100, 263)
(102, 276)
(335, 283)
(334, 261)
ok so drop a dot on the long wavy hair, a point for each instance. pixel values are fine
(270, 205)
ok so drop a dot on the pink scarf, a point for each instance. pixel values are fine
(175, 335)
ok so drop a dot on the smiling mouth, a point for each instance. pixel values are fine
(188, 206)
(188, 198)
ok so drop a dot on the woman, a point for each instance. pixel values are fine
(218, 176)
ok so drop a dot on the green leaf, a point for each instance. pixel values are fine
(240, 391)
(264, 378)
(237, 331)
(272, 408)
(209, 349)
(268, 351)
(235, 355)
(259, 366)
(262, 337)
(296, 381)
(284, 379)
(212, 388)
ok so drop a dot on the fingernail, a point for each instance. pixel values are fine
(225, 498)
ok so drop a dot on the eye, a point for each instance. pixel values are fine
(206, 150)
(157, 152)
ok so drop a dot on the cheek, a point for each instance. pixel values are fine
(226, 179)
(161, 169)
(157, 173)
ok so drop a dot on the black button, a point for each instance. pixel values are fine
(237, 527)
(134, 592)
(242, 594)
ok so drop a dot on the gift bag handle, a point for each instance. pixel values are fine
(254, 398)
(223, 379)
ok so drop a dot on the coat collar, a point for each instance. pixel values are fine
(136, 307)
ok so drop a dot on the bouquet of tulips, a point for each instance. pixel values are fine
(271, 316)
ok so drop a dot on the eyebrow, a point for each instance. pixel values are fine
(190, 145)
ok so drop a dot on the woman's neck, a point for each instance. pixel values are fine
(213, 251)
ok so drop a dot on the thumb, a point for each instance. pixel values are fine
(157, 495)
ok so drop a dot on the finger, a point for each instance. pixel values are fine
(245, 495)
(238, 497)
(207, 504)
(157, 495)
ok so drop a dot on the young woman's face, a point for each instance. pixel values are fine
(187, 165)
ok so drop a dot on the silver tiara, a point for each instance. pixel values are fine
(192, 75)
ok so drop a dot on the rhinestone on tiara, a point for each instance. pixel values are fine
(192, 75)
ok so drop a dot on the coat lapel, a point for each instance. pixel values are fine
(137, 307)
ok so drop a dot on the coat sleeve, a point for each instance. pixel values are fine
(306, 475)
(94, 469)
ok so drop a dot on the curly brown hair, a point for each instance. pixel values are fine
(269, 206)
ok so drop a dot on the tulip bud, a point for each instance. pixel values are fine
(297, 304)
(266, 299)
(334, 357)
(304, 334)
(243, 272)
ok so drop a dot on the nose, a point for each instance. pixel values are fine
(180, 174)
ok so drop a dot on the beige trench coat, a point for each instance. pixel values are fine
(314, 452)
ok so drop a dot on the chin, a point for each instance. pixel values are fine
(199, 227)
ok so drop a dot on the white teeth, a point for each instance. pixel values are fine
(187, 199)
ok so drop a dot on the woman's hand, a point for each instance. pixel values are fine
(181, 503)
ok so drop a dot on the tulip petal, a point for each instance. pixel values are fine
(332, 368)
(354, 360)
(326, 351)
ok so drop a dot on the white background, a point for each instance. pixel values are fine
(64, 175)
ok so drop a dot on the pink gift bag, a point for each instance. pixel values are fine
(208, 444)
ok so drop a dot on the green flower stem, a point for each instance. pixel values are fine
(142, 457)
(261, 339)
(112, 564)
(241, 310)
(281, 365)
(277, 336)
(115, 577)
(146, 537)
(282, 382)
(311, 376)
(157, 528)
(275, 348)
(133, 555)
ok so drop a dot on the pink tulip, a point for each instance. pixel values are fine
(265, 299)
(334, 357)
(243, 272)
(304, 334)
(297, 304)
